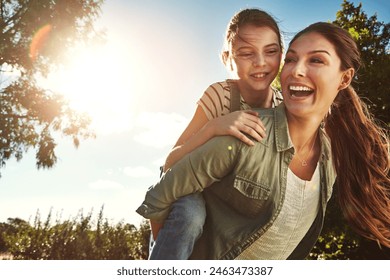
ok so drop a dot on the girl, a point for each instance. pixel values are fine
(268, 201)
(252, 52)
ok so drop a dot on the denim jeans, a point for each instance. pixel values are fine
(181, 229)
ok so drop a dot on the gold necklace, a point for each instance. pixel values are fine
(304, 161)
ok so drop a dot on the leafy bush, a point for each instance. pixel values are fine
(82, 238)
(76, 239)
(339, 242)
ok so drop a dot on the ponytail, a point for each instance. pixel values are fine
(360, 150)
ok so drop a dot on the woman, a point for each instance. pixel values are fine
(268, 201)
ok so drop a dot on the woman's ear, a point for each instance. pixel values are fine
(346, 79)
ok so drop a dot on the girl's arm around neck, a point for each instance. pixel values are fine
(240, 124)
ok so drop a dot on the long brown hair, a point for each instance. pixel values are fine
(360, 148)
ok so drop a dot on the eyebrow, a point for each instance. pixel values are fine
(311, 52)
(250, 46)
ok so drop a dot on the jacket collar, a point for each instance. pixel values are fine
(282, 136)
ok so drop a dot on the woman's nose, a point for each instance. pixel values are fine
(299, 70)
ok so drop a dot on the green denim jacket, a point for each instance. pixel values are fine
(244, 188)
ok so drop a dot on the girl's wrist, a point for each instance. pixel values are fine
(209, 129)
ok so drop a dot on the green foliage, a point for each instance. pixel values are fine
(339, 242)
(372, 37)
(35, 37)
(76, 239)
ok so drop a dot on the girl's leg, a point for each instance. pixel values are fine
(181, 229)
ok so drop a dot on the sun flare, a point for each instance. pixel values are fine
(98, 81)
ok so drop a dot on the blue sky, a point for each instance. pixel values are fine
(141, 89)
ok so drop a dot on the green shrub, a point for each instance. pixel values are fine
(75, 239)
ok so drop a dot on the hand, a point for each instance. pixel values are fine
(155, 228)
(239, 124)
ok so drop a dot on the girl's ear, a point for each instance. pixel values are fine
(227, 60)
(225, 57)
(346, 79)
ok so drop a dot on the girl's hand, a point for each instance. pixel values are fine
(239, 124)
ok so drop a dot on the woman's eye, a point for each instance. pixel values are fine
(316, 60)
(288, 60)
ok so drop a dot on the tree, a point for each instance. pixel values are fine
(372, 37)
(35, 37)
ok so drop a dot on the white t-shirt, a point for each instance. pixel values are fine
(299, 210)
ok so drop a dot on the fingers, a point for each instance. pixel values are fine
(242, 137)
(242, 132)
(253, 126)
(254, 113)
(254, 117)
(244, 125)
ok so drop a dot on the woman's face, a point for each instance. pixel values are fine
(255, 57)
(311, 77)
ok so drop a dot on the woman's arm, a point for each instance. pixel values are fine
(239, 124)
(193, 173)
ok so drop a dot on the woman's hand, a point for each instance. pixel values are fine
(239, 124)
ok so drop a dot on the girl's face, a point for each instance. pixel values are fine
(311, 77)
(255, 57)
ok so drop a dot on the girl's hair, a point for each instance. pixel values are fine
(360, 147)
(254, 17)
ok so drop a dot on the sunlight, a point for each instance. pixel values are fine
(99, 81)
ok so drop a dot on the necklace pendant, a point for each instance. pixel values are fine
(304, 163)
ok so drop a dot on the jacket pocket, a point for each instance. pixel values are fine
(245, 196)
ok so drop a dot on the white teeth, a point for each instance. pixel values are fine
(300, 88)
(259, 75)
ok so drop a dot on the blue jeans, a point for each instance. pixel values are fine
(181, 229)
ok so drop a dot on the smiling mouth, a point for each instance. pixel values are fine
(259, 75)
(300, 91)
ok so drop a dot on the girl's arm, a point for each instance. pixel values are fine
(239, 124)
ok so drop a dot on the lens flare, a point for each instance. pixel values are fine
(39, 41)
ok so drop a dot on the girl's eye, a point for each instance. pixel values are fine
(272, 51)
(245, 55)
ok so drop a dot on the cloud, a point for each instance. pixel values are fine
(159, 162)
(105, 185)
(138, 172)
(159, 129)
